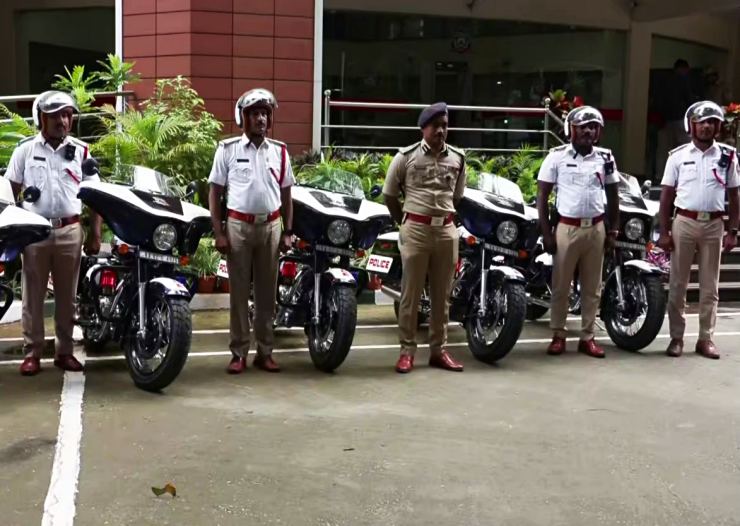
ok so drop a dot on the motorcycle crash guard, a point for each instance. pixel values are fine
(506, 273)
(169, 287)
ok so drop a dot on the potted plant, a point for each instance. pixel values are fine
(205, 263)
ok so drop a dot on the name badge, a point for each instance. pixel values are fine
(703, 216)
(585, 223)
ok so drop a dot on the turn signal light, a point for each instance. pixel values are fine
(184, 261)
(471, 240)
(522, 254)
(385, 245)
(650, 246)
(302, 245)
(2, 268)
(123, 249)
(360, 253)
(374, 283)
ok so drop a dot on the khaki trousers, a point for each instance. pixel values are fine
(689, 237)
(254, 254)
(582, 248)
(426, 251)
(59, 254)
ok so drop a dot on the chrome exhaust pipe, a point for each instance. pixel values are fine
(391, 293)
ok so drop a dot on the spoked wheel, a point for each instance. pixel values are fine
(635, 324)
(155, 360)
(491, 337)
(329, 341)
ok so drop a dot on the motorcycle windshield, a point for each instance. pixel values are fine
(334, 180)
(6, 192)
(630, 196)
(500, 186)
(147, 180)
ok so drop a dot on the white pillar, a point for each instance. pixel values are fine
(318, 50)
(636, 85)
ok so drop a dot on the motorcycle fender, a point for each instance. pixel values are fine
(341, 276)
(643, 267)
(544, 259)
(506, 273)
(170, 287)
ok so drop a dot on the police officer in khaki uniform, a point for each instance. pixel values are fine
(697, 177)
(431, 176)
(52, 162)
(259, 177)
(582, 172)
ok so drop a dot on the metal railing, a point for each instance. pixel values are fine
(549, 136)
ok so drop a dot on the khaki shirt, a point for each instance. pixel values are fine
(430, 183)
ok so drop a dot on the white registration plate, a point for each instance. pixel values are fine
(162, 258)
(223, 269)
(380, 264)
(335, 250)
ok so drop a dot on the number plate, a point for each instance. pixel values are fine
(335, 250)
(162, 258)
(223, 269)
(379, 264)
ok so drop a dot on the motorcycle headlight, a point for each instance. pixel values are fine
(507, 232)
(165, 237)
(634, 229)
(339, 231)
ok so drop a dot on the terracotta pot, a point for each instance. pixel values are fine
(206, 284)
(223, 285)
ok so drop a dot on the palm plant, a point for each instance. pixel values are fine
(13, 128)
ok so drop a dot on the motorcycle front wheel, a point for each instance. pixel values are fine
(492, 337)
(330, 340)
(157, 360)
(635, 324)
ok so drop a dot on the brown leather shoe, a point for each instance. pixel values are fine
(707, 349)
(404, 364)
(444, 360)
(591, 348)
(266, 363)
(675, 348)
(68, 362)
(557, 346)
(31, 366)
(237, 365)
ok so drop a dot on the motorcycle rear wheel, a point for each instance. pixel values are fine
(168, 339)
(329, 342)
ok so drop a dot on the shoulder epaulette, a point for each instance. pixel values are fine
(409, 149)
(78, 142)
(458, 151)
(274, 141)
(674, 150)
(560, 148)
(230, 140)
(27, 139)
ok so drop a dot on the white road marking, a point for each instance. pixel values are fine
(206, 354)
(59, 506)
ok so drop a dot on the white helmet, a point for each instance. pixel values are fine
(582, 115)
(702, 111)
(51, 102)
(253, 97)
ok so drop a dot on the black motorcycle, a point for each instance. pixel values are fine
(633, 300)
(132, 296)
(488, 295)
(334, 224)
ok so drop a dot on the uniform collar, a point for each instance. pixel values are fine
(246, 142)
(694, 149)
(571, 151)
(40, 140)
(426, 148)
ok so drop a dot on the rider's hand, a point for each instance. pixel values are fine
(286, 242)
(665, 241)
(730, 241)
(548, 241)
(92, 245)
(222, 243)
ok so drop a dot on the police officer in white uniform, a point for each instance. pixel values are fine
(257, 173)
(582, 172)
(52, 162)
(698, 176)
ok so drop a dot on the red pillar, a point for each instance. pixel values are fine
(226, 47)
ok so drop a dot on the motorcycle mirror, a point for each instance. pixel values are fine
(646, 185)
(375, 191)
(90, 167)
(31, 194)
(191, 189)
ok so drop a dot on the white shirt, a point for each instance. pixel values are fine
(579, 180)
(699, 181)
(253, 175)
(35, 163)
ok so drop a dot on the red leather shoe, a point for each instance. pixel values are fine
(404, 364)
(591, 348)
(557, 346)
(237, 365)
(31, 366)
(266, 363)
(444, 360)
(707, 349)
(675, 348)
(68, 362)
